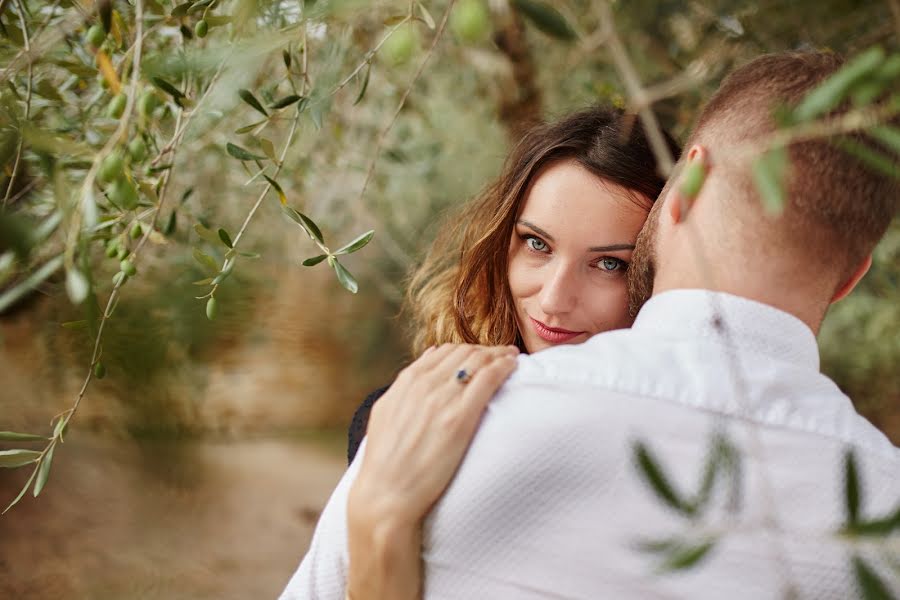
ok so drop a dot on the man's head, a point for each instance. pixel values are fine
(814, 252)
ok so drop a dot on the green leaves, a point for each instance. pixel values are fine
(226, 239)
(18, 458)
(770, 172)
(12, 436)
(852, 492)
(364, 85)
(677, 553)
(240, 153)
(248, 97)
(830, 93)
(546, 18)
(657, 480)
(311, 262)
(44, 470)
(305, 222)
(356, 244)
(286, 101)
(344, 276)
(870, 584)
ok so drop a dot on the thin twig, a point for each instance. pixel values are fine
(369, 56)
(400, 255)
(637, 93)
(21, 145)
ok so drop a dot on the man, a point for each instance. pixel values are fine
(550, 501)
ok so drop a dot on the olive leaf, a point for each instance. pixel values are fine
(770, 172)
(167, 87)
(18, 458)
(833, 90)
(281, 196)
(356, 244)
(875, 160)
(286, 101)
(852, 491)
(365, 84)
(546, 18)
(248, 97)
(305, 222)
(44, 470)
(870, 584)
(226, 239)
(240, 153)
(206, 261)
(344, 277)
(12, 436)
(658, 481)
(311, 262)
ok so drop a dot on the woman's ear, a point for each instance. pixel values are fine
(690, 182)
(847, 286)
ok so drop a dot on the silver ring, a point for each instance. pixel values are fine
(463, 376)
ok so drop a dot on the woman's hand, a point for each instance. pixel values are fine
(417, 436)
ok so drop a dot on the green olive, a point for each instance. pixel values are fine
(128, 268)
(120, 278)
(99, 370)
(136, 230)
(95, 35)
(123, 194)
(470, 21)
(399, 48)
(122, 252)
(137, 148)
(111, 167)
(201, 28)
(147, 103)
(112, 248)
(212, 308)
(116, 107)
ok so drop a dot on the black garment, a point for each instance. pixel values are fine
(360, 422)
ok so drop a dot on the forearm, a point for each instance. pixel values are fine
(385, 555)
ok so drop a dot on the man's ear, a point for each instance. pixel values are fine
(847, 286)
(690, 182)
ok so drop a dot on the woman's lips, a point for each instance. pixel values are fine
(554, 335)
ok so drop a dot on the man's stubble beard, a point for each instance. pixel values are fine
(642, 270)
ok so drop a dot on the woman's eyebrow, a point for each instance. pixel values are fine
(611, 248)
(536, 229)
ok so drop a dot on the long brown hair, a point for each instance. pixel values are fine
(460, 293)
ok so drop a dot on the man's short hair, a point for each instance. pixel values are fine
(837, 208)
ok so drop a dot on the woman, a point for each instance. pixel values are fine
(537, 260)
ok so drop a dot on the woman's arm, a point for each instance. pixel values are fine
(418, 434)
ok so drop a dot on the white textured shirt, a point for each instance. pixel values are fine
(549, 501)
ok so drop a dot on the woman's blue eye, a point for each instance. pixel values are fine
(538, 245)
(611, 264)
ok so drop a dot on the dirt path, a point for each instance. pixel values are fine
(193, 520)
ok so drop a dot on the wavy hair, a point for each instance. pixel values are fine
(460, 293)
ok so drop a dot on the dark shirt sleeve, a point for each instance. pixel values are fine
(360, 422)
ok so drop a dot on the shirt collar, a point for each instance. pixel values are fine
(733, 320)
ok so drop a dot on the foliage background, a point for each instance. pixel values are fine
(291, 352)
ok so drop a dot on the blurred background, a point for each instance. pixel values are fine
(197, 467)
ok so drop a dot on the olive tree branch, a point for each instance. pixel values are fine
(21, 145)
(369, 55)
(65, 417)
(398, 253)
(636, 92)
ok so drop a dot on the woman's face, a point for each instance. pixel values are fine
(568, 253)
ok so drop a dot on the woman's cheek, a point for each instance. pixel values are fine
(609, 308)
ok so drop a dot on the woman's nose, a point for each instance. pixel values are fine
(559, 292)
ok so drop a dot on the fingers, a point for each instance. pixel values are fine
(487, 381)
